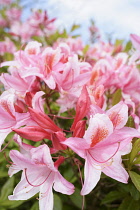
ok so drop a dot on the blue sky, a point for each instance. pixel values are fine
(116, 17)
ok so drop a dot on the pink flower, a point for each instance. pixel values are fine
(40, 174)
(102, 147)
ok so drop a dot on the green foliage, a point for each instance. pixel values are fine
(112, 196)
(129, 204)
(5, 191)
(74, 27)
(116, 97)
(76, 198)
(57, 202)
(119, 42)
(128, 46)
(134, 151)
(135, 179)
(130, 122)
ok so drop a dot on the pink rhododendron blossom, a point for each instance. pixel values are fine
(9, 117)
(40, 174)
(7, 46)
(101, 147)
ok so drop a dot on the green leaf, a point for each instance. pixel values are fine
(35, 206)
(130, 122)
(118, 42)
(135, 150)
(112, 196)
(74, 27)
(129, 204)
(7, 189)
(69, 174)
(57, 203)
(116, 97)
(128, 46)
(137, 161)
(76, 198)
(37, 38)
(85, 49)
(134, 192)
(3, 174)
(135, 179)
(11, 204)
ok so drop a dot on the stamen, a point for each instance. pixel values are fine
(83, 197)
(7, 159)
(108, 158)
(6, 145)
(38, 184)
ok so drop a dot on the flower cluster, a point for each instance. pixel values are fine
(67, 102)
(81, 92)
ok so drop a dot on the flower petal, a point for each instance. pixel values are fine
(118, 114)
(46, 202)
(116, 170)
(62, 185)
(92, 176)
(100, 127)
(78, 145)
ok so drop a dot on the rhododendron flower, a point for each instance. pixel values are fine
(102, 147)
(40, 174)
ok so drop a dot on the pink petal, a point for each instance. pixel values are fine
(100, 127)
(34, 133)
(23, 190)
(78, 145)
(43, 120)
(46, 201)
(82, 106)
(62, 185)
(92, 176)
(37, 102)
(20, 160)
(116, 170)
(135, 41)
(118, 114)
(42, 155)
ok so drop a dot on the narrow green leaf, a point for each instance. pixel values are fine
(85, 49)
(128, 46)
(135, 179)
(7, 189)
(134, 192)
(10, 204)
(3, 174)
(112, 196)
(130, 122)
(76, 198)
(135, 150)
(57, 203)
(35, 206)
(74, 27)
(137, 161)
(118, 42)
(129, 204)
(116, 97)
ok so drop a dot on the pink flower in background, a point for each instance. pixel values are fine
(7, 46)
(13, 14)
(5, 2)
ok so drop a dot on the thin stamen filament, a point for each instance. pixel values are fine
(38, 184)
(108, 158)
